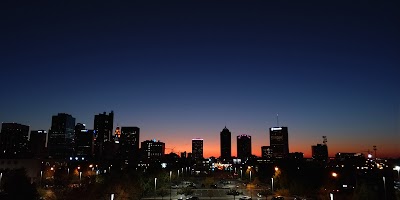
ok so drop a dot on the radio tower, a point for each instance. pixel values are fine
(375, 150)
(324, 140)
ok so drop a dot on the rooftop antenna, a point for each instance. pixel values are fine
(277, 120)
(325, 140)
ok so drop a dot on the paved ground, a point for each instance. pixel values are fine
(219, 194)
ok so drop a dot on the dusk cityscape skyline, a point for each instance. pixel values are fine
(187, 70)
(200, 100)
(255, 150)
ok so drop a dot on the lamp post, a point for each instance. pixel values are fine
(250, 175)
(272, 185)
(384, 185)
(398, 169)
(170, 184)
(41, 177)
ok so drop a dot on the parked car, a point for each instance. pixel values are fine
(245, 198)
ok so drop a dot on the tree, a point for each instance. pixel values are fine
(211, 193)
(162, 193)
(16, 185)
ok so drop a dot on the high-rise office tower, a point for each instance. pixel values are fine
(61, 139)
(129, 142)
(279, 141)
(225, 139)
(320, 152)
(37, 143)
(266, 152)
(14, 140)
(197, 149)
(153, 149)
(103, 127)
(84, 141)
(243, 146)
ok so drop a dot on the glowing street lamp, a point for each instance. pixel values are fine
(334, 174)
(272, 184)
(170, 183)
(398, 169)
(276, 169)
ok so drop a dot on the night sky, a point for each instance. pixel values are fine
(186, 69)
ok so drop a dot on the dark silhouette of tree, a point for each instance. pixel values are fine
(17, 185)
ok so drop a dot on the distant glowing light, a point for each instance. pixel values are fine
(276, 129)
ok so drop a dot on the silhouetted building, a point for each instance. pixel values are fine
(129, 142)
(103, 127)
(197, 149)
(243, 147)
(279, 141)
(84, 141)
(266, 152)
(225, 139)
(61, 139)
(14, 140)
(37, 143)
(183, 155)
(319, 152)
(152, 149)
(299, 156)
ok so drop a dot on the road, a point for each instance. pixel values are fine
(219, 194)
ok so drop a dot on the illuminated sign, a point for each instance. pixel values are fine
(276, 129)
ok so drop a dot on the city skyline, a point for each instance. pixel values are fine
(210, 152)
(183, 70)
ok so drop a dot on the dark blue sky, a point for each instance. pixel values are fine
(186, 69)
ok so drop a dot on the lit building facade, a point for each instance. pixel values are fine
(153, 149)
(61, 139)
(279, 141)
(103, 127)
(197, 149)
(84, 141)
(14, 140)
(129, 142)
(243, 146)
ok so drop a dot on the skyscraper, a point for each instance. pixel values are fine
(84, 141)
(320, 152)
(225, 139)
(37, 143)
(129, 142)
(103, 127)
(61, 139)
(279, 141)
(243, 146)
(266, 152)
(14, 140)
(153, 149)
(197, 149)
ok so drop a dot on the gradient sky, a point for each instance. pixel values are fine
(185, 69)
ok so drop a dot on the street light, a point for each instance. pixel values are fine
(398, 169)
(250, 175)
(272, 185)
(276, 169)
(170, 184)
(334, 174)
(384, 186)
(155, 184)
